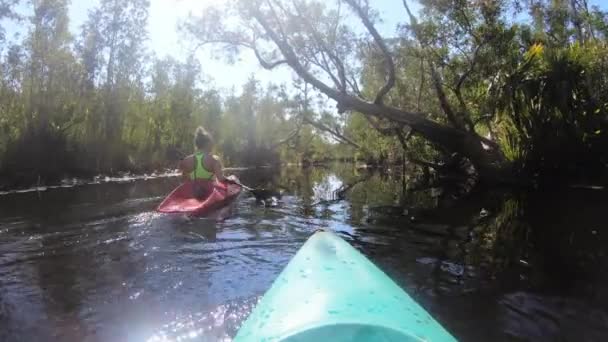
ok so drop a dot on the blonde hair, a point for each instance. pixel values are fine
(202, 138)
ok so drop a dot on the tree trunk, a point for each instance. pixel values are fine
(488, 162)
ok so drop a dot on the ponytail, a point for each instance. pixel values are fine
(202, 138)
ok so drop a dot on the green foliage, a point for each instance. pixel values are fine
(375, 146)
(556, 110)
(537, 87)
(98, 102)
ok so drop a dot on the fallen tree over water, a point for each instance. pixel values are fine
(506, 97)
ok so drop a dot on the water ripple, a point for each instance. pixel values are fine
(97, 263)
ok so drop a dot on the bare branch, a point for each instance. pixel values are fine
(354, 85)
(468, 25)
(389, 131)
(325, 50)
(323, 65)
(225, 42)
(388, 59)
(292, 58)
(265, 64)
(276, 18)
(338, 82)
(404, 138)
(458, 89)
(409, 133)
(443, 100)
(292, 134)
(464, 53)
(337, 23)
(334, 132)
(472, 63)
(422, 82)
(413, 20)
(392, 131)
(459, 122)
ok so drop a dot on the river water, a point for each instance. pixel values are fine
(96, 263)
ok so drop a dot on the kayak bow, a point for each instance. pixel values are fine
(331, 292)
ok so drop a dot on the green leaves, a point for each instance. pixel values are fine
(537, 86)
(534, 52)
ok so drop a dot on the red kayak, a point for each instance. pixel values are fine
(182, 199)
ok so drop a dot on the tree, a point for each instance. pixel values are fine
(50, 63)
(38, 92)
(115, 33)
(316, 43)
(466, 54)
(513, 98)
(7, 12)
(211, 111)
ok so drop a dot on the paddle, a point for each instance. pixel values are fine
(234, 180)
(259, 194)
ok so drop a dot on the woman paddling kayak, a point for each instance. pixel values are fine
(204, 188)
(202, 168)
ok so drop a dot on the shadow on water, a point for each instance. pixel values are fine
(96, 262)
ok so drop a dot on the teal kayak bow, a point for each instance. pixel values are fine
(331, 292)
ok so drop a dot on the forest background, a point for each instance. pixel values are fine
(502, 91)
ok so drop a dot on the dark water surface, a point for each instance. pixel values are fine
(96, 263)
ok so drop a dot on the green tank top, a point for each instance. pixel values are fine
(199, 169)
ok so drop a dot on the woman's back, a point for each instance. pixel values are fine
(202, 165)
(199, 165)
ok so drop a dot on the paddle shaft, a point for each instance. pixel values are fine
(241, 184)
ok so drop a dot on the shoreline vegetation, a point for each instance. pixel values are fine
(129, 176)
(8, 185)
(522, 104)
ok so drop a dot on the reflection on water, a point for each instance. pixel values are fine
(218, 324)
(95, 262)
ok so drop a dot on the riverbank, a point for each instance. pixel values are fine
(35, 182)
(99, 179)
(50, 174)
(119, 177)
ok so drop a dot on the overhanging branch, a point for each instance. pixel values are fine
(292, 135)
(331, 131)
(441, 135)
(264, 63)
(443, 100)
(291, 57)
(388, 59)
(325, 50)
(388, 131)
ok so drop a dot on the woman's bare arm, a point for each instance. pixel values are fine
(218, 169)
(183, 165)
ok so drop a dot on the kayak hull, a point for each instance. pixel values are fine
(331, 292)
(182, 200)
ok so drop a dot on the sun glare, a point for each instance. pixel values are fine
(186, 6)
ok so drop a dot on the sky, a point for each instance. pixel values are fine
(165, 15)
